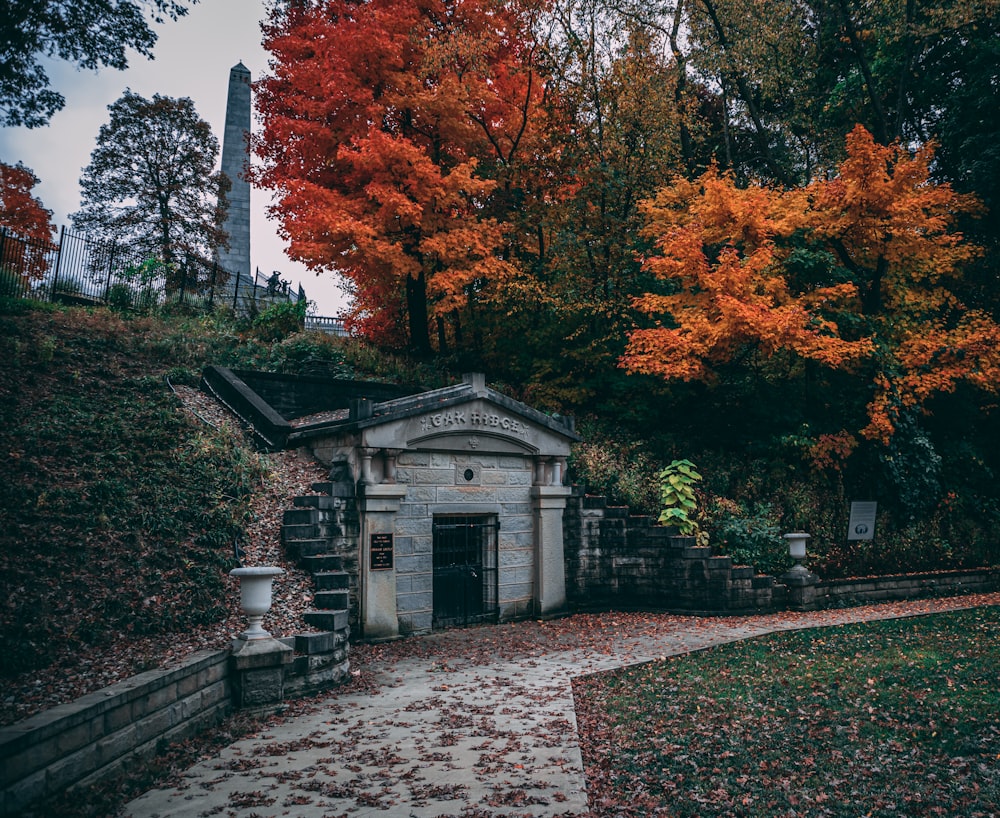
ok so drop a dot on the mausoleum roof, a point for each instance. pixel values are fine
(287, 411)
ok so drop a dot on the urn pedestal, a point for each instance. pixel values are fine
(258, 660)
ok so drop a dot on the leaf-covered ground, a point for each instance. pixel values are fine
(900, 717)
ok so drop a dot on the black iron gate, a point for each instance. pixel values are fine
(465, 570)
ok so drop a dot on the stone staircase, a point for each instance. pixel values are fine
(321, 535)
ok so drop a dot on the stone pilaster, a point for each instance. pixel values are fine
(801, 584)
(380, 504)
(548, 503)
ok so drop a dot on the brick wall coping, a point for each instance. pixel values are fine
(928, 576)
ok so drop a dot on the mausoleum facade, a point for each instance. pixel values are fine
(459, 498)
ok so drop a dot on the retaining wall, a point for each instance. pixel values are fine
(94, 737)
(618, 560)
(837, 593)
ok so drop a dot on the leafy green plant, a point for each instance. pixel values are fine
(135, 290)
(309, 353)
(678, 498)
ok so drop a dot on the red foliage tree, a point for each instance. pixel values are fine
(392, 129)
(24, 215)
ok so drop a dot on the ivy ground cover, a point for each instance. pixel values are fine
(900, 717)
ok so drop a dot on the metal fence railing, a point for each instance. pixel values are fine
(79, 270)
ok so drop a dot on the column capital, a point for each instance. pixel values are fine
(550, 496)
(382, 496)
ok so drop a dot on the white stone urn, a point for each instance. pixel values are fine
(797, 549)
(255, 596)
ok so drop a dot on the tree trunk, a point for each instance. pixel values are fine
(416, 309)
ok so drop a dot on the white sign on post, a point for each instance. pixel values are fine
(862, 523)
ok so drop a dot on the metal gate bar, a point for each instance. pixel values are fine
(465, 570)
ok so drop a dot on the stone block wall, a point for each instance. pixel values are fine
(294, 396)
(321, 662)
(838, 593)
(500, 485)
(615, 560)
(94, 737)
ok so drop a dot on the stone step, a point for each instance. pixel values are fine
(306, 516)
(319, 501)
(332, 600)
(300, 549)
(310, 531)
(326, 620)
(335, 489)
(332, 580)
(313, 643)
(318, 563)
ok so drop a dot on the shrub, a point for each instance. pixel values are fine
(619, 469)
(749, 536)
(279, 320)
(310, 353)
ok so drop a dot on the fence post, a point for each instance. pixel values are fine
(149, 286)
(111, 262)
(3, 261)
(211, 292)
(16, 289)
(59, 255)
(184, 275)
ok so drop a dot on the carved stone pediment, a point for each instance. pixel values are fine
(469, 417)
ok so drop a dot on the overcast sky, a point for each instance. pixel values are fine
(192, 59)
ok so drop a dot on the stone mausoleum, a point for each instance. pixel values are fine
(452, 499)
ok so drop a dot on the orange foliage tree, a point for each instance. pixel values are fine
(881, 301)
(24, 215)
(391, 133)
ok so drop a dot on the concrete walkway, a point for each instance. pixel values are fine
(478, 722)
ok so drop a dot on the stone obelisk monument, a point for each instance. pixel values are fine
(234, 162)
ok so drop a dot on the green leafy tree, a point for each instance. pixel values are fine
(151, 182)
(90, 34)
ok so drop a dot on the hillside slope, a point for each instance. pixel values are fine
(119, 506)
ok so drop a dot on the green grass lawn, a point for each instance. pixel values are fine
(900, 717)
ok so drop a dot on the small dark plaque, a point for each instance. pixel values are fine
(380, 551)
